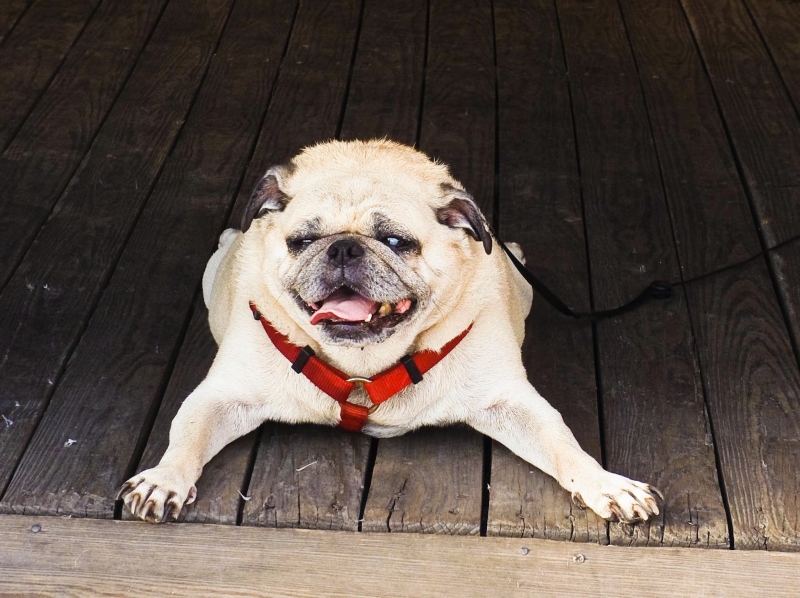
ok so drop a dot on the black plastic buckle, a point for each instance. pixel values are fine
(302, 359)
(412, 369)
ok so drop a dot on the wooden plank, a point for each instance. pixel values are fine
(711, 217)
(386, 88)
(747, 404)
(757, 110)
(308, 477)
(432, 480)
(785, 263)
(653, 410)
(305, 109)
(125, 354)
(48, 301)
(49, 147)
(540, 208)
(779, 25)
(754, 400)
(428, 481)
(458, 113)
(32, 53)
(93, 558)
(10, 13)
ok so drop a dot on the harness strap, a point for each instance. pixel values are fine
(338, 385)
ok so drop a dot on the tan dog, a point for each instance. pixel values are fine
(366, 252)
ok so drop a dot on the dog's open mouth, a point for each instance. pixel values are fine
(348, 309)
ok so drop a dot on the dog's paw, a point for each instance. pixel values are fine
(617, 498)
(157, 494)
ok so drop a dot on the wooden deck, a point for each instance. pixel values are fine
(617, 141)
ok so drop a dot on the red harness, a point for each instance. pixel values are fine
(338, 385)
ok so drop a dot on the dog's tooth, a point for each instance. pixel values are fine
(368, 318)
(386, 309)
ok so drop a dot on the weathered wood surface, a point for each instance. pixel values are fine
(33, 52)
(786, 268)
(753, 387)
(51, 143)
(127, 351)
(711, 218)
(685, 115)
(93, 558)
(386, 88)
(652, 399)
(49, 300)
(431, 481)
(540, 208)
(10, 13)
(738, 310)
(778, 22)
(757, 110)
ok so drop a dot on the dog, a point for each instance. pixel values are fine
(362, 291)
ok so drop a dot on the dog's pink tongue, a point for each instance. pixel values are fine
(349, 307)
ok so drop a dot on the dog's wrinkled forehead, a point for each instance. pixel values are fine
(347, 186)
(353, 186)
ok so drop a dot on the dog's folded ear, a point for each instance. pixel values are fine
(463, 212)
(267, 196)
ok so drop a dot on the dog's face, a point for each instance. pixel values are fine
(364, 239)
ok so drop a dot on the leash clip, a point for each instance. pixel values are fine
(660, 289)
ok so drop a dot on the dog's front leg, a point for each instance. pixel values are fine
(205, 423)
(524, 422)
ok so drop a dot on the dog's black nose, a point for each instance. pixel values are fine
(345, 251)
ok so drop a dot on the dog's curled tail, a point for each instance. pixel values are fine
(517, 251)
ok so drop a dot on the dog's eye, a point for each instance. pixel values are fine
(299, 243)
(397, 243)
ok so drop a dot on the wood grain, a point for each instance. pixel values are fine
(307, 477)
(652, 398)
(458, 112)
(48, 302)
(125, 354)
(386, 87)
(428, 481)
(434, 477)
(711, 217)
(32, 53)
(49, 147)
(779, 24)
(753, 387)
(93, 558)
(757, 110)
(540, 208)
(786, 272)
(10, 13)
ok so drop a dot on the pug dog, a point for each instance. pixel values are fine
(362, 291)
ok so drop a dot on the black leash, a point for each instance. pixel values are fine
(658, 289)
